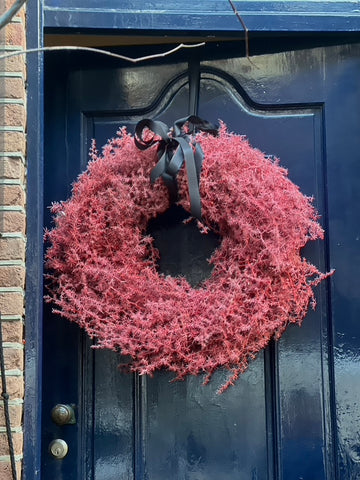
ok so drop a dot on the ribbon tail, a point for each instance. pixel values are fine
(161, 170)
(177, 160)
(160, 167)
(199, 157)
(193, 182)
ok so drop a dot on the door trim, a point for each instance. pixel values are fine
(34, 252)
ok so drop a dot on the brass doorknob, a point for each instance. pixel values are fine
(63, 414)
(58, 448)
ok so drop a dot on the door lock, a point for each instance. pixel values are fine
(63, 414)
(58, 448)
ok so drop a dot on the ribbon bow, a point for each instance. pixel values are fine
(174, 149)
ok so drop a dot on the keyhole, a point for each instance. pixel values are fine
(184, 250)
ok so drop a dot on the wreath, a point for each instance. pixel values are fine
(102, 263)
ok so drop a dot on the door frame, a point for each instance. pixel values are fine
(34, 253)
(34, 259)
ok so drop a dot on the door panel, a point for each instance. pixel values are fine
(294, 133)
(173, 435)
(277, 421)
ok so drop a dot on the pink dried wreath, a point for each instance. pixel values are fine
(103, 265)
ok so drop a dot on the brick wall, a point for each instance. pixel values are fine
(12, 228)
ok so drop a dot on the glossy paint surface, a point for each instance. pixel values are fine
(294, 414)
(171, 15)
(34, 252)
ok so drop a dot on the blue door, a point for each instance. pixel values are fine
(285, 417)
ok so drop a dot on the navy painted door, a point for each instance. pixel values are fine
(286, 417)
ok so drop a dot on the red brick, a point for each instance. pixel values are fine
(15, 34)
(12, 249)
(11, 303)
(12, 142)
(13, 331)
(14, 115)
(15, 387)
(6, 4)
(12, 87)
(14, 358)
(12, 221)
(17, 442)
(12, 64)
(12, 195)
(12, 276)
(5, 470)
(16, 414)
(12, 168)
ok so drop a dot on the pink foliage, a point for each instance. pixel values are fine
(103, 272)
